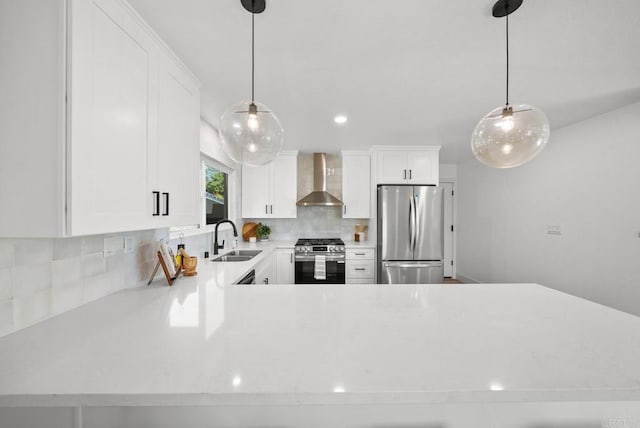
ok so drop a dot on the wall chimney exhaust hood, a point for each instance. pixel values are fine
(320, 197)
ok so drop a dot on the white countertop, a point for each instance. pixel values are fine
(200, 342)
(228, 273)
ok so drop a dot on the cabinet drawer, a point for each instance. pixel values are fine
(368, 281)
(363, 269)
(360, 254)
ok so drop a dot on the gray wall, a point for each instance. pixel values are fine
(586, 181)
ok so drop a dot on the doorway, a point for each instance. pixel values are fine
(449, 229)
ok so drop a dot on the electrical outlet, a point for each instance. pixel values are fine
(554, 229)
(128, 244)
(111, 245)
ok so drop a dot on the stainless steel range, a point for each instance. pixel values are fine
(320, 261)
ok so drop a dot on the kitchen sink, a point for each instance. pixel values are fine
(250, 253)
(237, 256)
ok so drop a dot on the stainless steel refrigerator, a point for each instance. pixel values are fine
(410, 235)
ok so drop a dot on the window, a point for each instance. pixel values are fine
(216, 190)
(217, 187)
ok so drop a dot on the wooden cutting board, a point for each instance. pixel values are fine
(248, 230)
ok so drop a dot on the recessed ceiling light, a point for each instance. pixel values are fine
(340, 119)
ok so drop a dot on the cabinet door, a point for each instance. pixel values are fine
(356, 189)
(392, 167)
(423, 167)
(285, 266)
(255, 191)
(284, 187)
(178, 146)
(266, 271)
(109, 141)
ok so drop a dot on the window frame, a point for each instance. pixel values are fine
(203, 227)
(205, 162)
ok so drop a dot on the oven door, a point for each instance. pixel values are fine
(305, 268)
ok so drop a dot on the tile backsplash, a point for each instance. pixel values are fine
(313, 222)
(40, 278)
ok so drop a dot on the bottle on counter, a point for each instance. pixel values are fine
(179, 256)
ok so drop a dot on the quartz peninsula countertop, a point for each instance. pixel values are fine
(200, 342)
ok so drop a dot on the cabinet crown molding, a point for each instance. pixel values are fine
(405, 148)
(140, 20)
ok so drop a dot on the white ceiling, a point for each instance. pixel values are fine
(404, 71)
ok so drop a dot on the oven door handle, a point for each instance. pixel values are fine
(339, 259)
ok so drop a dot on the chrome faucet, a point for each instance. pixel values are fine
(217, 247)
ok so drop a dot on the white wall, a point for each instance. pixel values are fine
(586, 180)
(211, 147)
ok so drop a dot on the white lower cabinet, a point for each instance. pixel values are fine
(361, 266)
(285, 266)
(266, 271)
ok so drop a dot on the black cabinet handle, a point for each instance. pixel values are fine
(166, 203)
(271, 210)
(266, 209)
(345, 209)
(405, 175)
(359, 269)
(156, 203)
(410, 175)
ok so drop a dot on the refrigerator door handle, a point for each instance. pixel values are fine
(416, 225)
(412, 225)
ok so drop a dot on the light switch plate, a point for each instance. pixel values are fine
(554, 229)
(112, 245)
(128, 244)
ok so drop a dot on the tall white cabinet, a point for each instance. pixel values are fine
(270, 191)
(178, 126)
(117, 142)
(356, 184)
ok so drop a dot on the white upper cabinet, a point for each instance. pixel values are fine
(356, 184)
(119, 146)
(392, 167)
(284, 186)
(407, 165)
(178, 147)
(270, 191)
(109, 142)
(256, 186)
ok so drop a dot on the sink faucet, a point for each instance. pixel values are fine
(217, 247)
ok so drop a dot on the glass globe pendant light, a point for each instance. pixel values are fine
(250, 133)
(510, 136)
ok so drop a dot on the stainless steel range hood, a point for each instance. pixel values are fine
(319, 197)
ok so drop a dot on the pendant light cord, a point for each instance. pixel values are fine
(507, 59)
(253, 55)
